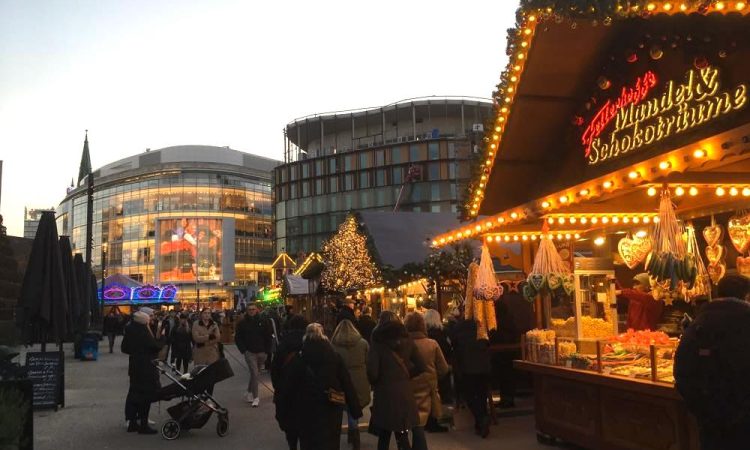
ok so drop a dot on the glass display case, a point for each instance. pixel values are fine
(590, 312)
(643, 355)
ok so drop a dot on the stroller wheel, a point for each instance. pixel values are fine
(170, 430)
(222, 426)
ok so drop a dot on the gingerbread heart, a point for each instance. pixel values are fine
(536, 280)
(738, 229)
(743, 266)
(554, 281)
(713, 234)
(715, 253)
(569, 283)
(717, 272)
(634, 251)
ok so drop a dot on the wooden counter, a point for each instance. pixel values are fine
(607, 412)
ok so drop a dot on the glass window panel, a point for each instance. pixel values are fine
(380, 177)
(398, 175)
(348, 163)
(349, 182)
(433, 150)
(379, 158)
(433, 171)
(434, 192)
(397, 155)
(416, 152)
(333, 184)
(364, 160)
(332, 166)
(364, 180)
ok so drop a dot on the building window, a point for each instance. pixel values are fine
(332, 166)
(380, 197)
(305, 171)
(348, 163)
(364, 160)
(319, 186)
(452, 170)
(435, 208)
(433, 150)
(293, 173)
(305, 188)
(416, 152)
(364, 180)
(435, 192)
(293, 190)
(319, 168)
(380, 177)
(333, 184)
(365, 199)
(348, 182)
(397, 177)
(379, 158)
(396, 155)
(433, 171)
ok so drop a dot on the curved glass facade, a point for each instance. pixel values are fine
(197, 227)
(415, 154)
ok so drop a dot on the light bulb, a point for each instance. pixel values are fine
(733, 191)
(699, 153)
(679, 191)
(720, 191)
(693, 191)
(599, 241)
(651, 191)
(607, 184)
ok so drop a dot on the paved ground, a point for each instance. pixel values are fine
(93, 417)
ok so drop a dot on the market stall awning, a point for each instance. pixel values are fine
(679, 73)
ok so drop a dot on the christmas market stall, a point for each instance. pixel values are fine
(615, 169)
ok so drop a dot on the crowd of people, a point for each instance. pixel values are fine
(404, 371)
(400, 369)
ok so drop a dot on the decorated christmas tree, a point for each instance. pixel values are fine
(348, 262)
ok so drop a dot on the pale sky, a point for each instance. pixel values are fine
(155, 73)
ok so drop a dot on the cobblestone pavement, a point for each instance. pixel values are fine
(93, 417)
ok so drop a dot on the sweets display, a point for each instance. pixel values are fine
(592, 327)
(540, 346)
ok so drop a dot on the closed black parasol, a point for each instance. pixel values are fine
(71, 288)
(43, 301)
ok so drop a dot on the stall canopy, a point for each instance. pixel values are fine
(601, 107)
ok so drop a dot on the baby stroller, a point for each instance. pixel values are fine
(197, 404)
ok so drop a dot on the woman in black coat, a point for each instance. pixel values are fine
(315, 371)
(473, 362)
(289, 345)
(139, 342)
(182, 344)
(392, 362)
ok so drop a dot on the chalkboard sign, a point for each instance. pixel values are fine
(46, 372)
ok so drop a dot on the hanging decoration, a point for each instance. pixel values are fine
(634, 250)
(743, 266)
(482, 291)
(702, 284)
(713, 233)
(486, 287)
(669, 260)
(549, 272)
(738, 229)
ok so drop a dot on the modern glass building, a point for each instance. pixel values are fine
(415, 152)
(199, 217)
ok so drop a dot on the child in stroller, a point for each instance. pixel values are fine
(197, 405)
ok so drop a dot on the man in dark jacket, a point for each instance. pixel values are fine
(346, 312)
(289, 346)
(139, 342)
(253, 339)
(473, 363)
(111, 326)
(712, 366)
(366, 324)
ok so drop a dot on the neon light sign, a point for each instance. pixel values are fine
(628, 96)
(640, 122)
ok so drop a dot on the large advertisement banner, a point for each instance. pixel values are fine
(190, 249)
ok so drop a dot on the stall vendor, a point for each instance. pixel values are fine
(643, 311)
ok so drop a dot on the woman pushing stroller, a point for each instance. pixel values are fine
(140, 344)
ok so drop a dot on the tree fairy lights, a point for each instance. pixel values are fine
(348, 263)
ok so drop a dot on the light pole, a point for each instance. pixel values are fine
(104, 279)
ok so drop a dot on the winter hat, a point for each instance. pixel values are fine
(147, 310)
(141, 317)
(642, 279)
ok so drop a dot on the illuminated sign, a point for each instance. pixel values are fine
(632, 121)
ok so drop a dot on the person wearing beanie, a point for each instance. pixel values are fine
(140, 344)
(643, 311)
